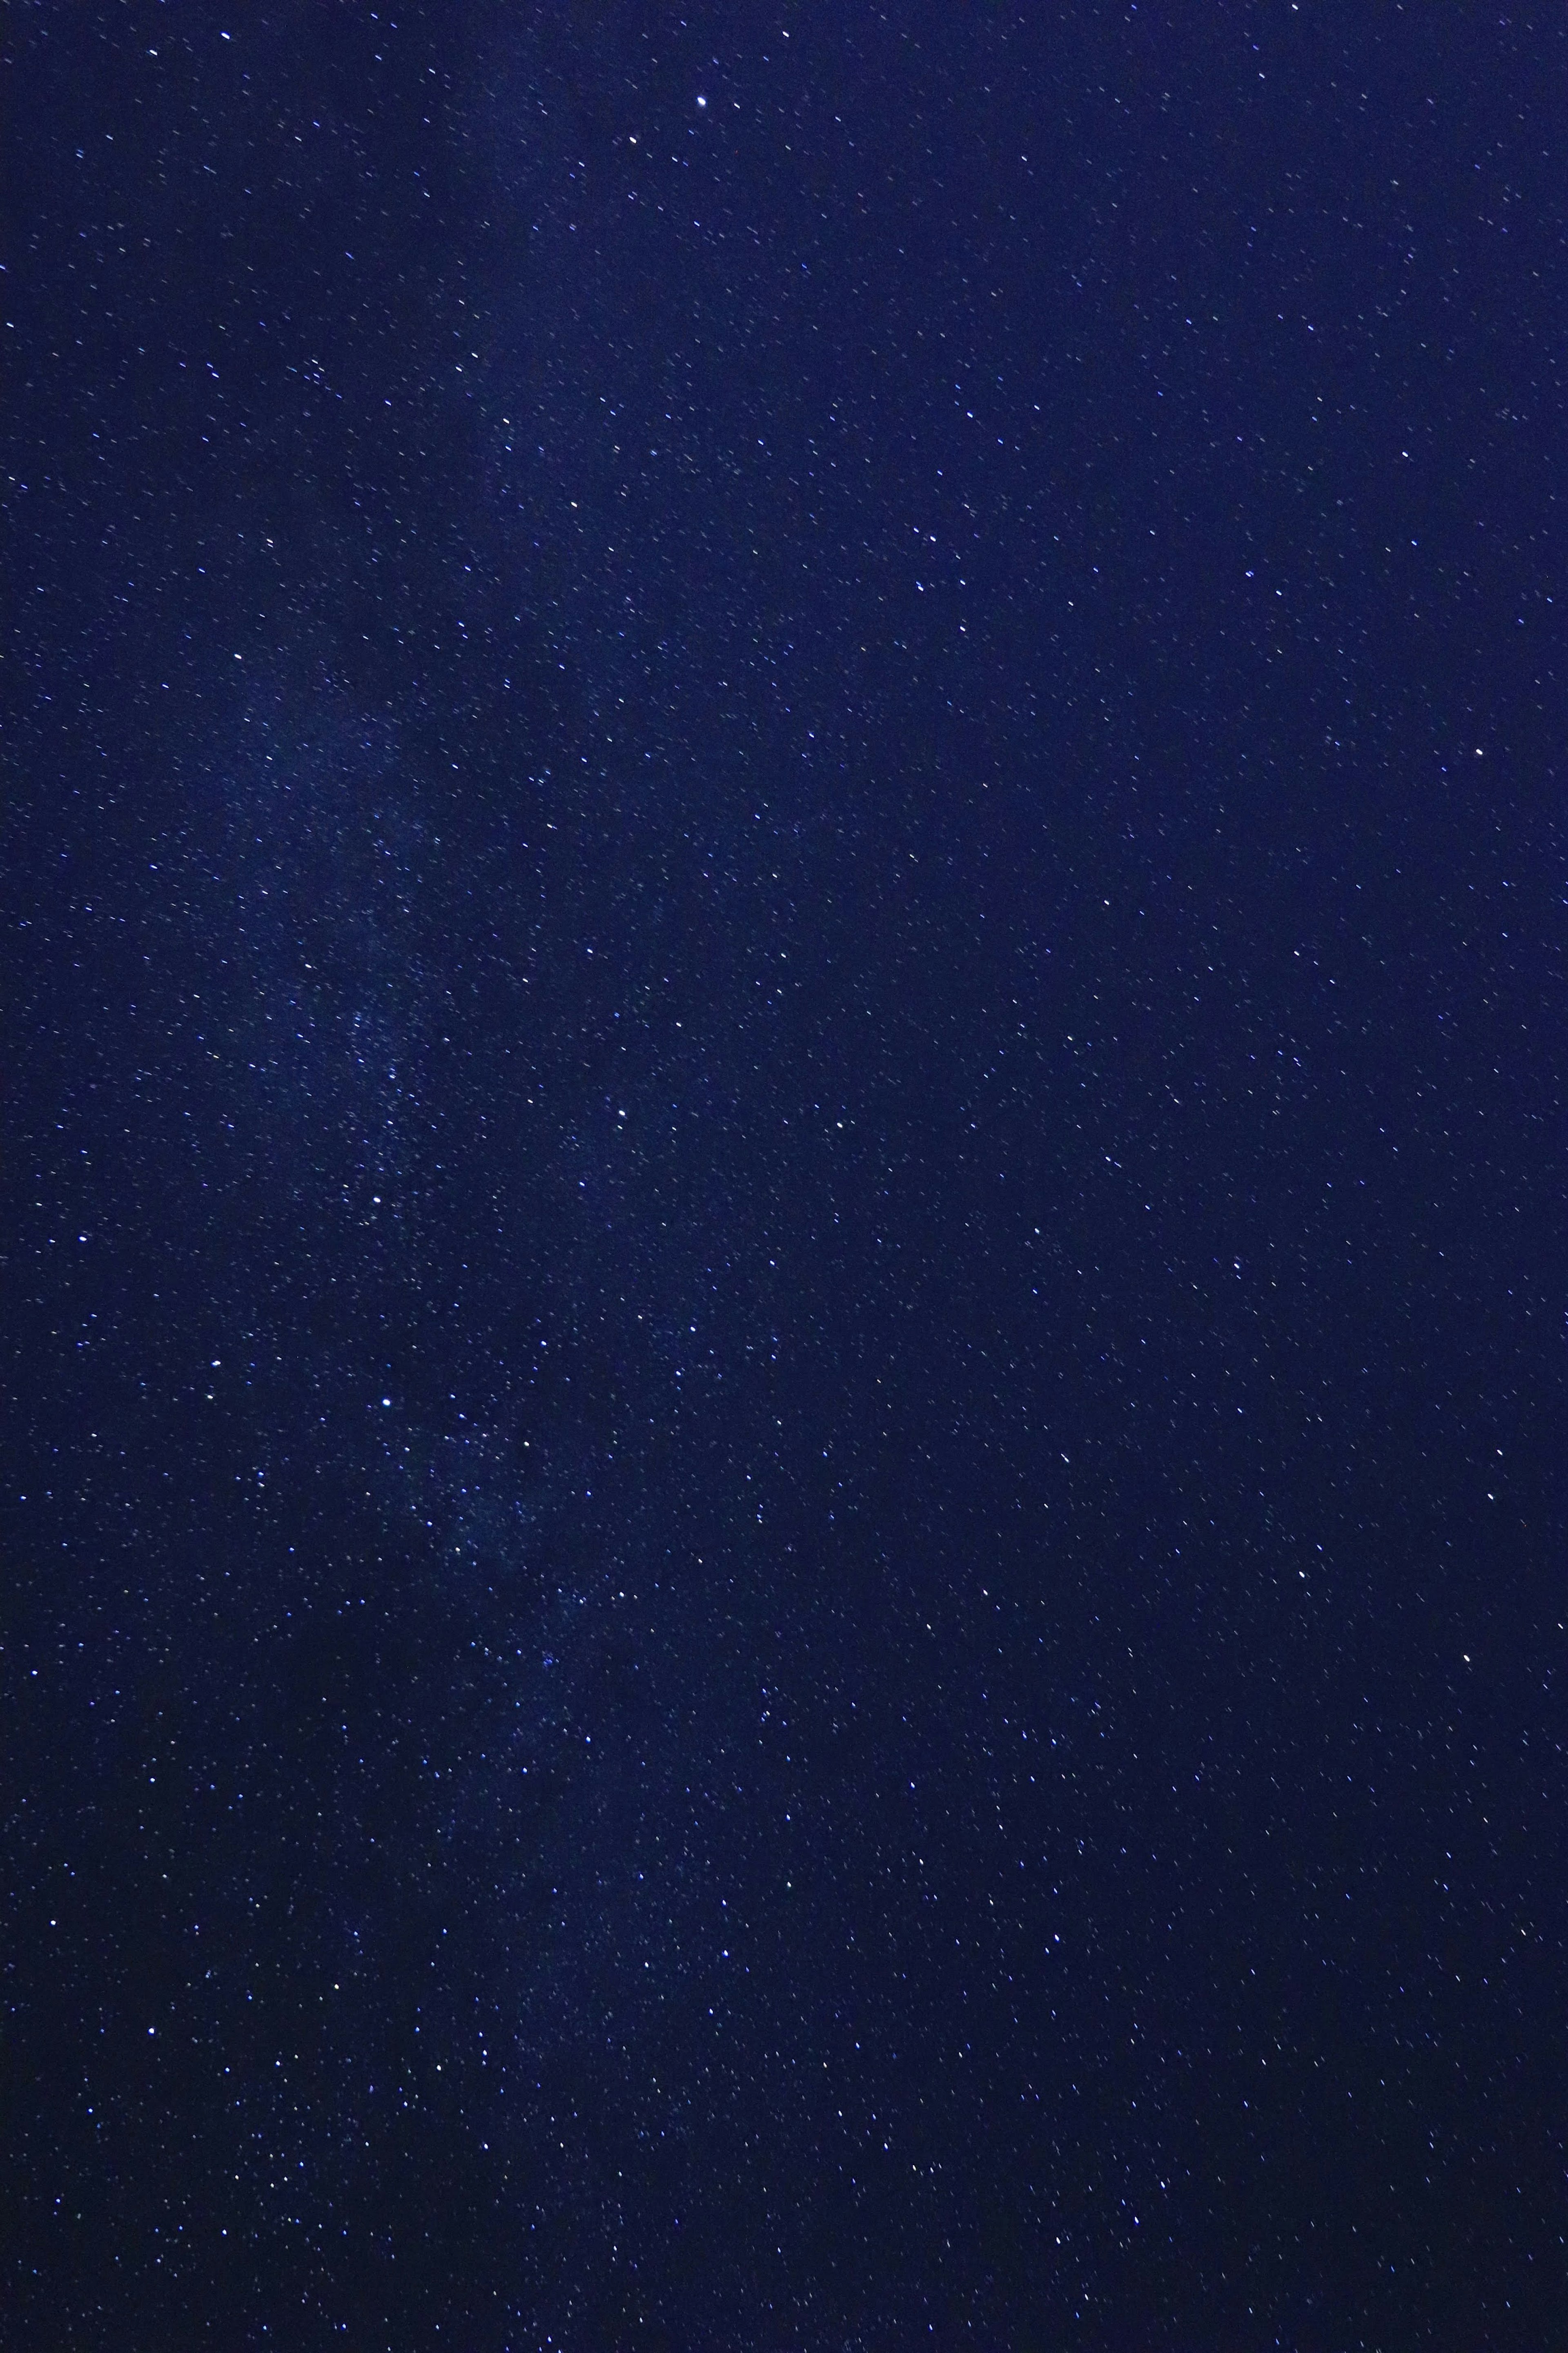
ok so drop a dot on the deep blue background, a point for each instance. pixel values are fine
(784, 1531)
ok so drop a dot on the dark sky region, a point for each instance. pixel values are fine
(785, 1483)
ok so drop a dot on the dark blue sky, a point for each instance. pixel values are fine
(786, 1487)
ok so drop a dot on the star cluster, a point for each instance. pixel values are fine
(785, 1504)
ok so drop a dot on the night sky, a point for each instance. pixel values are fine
(785, 1483)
